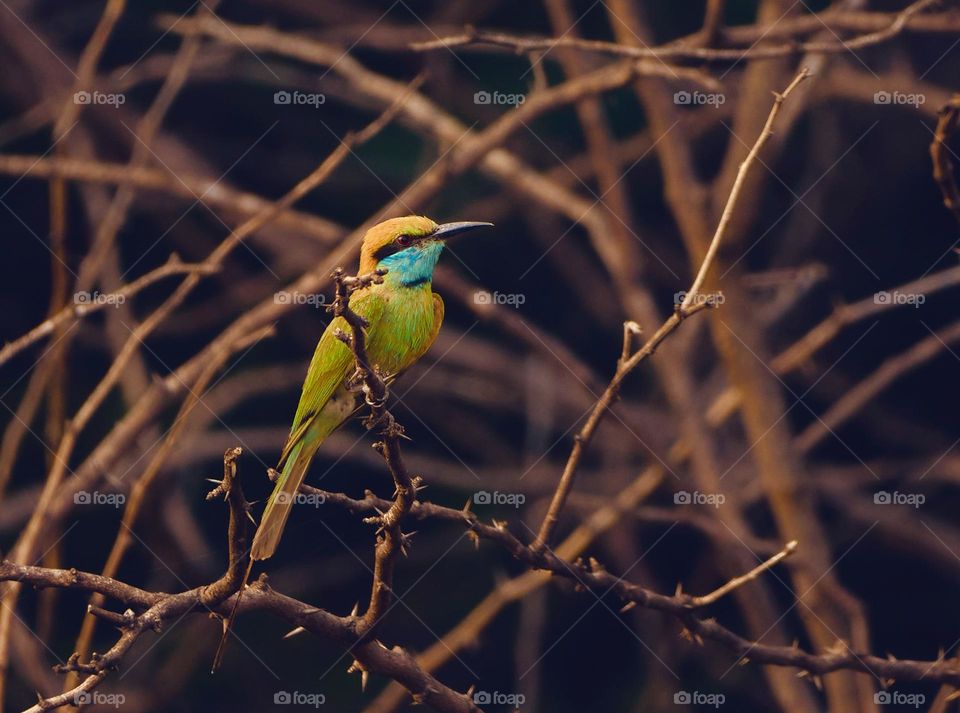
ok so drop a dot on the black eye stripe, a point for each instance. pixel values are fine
(392, 247)
(386, 250)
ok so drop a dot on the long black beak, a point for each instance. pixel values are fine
(448, 230)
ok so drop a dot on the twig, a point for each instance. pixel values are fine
(943, 168)
(83, 309)
(690, 305)
(675, 51)
(736, 582)
(767, 131)
(889, 371)
(391, 540)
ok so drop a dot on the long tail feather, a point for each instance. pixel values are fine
(271, 527)
(281, 501)
(228, 622)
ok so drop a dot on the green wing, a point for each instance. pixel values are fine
(332, 363)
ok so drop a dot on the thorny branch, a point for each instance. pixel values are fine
(391, 540)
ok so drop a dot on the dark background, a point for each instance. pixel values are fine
(484, 405)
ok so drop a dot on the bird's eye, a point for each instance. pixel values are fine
(404, 240)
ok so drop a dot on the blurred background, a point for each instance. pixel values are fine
(817, 402)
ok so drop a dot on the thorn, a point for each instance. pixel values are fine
(364, 674)
(627, 607)
(356, 609)
(475, 538)
(840, 647)
(294, 632)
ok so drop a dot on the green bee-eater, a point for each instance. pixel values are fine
(403, 314)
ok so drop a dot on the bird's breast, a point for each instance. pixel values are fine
(405, 330)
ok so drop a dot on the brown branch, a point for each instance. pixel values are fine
(160, 607)
(943, 169)
(237, 532)
(691, 303)
(889, 371)
(736, 582)
(391, 541)
(186, 186)
(85, 307)
(401, 666)
(679, 52)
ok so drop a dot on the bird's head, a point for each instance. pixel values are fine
(408, 247)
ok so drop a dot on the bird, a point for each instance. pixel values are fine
(403, 315)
